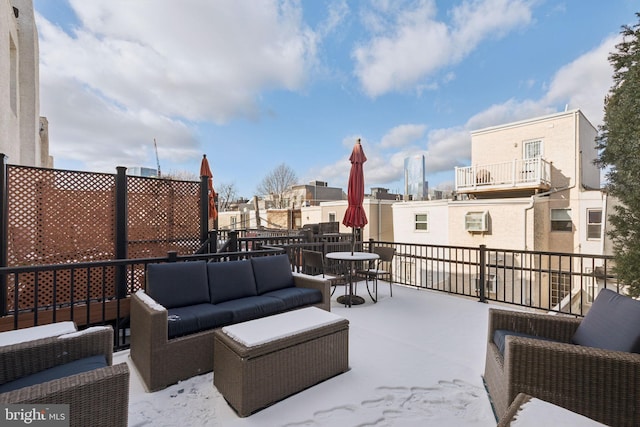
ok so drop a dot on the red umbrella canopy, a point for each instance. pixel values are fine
(355, 216)
(205, 170)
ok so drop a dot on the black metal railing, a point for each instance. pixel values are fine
(97, 292)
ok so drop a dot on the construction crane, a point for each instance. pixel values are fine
(155, 145)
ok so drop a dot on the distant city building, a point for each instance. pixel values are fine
(416, 186)
(312, 194)
(380, 193)
(142, 171)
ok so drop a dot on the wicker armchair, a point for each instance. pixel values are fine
(603, 385)
(98, 398)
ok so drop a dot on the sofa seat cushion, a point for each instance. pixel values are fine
(230, 280)
(272, 273)
(72, 368)
(250, 308)
(611, 323)
(500, 338)
(296, 297)
(196, 318)
(178, 284)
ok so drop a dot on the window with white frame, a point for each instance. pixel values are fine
(332, 217)
(532, 149)
(594, 223)
(561, 220)
(421, 221)
(560, 287)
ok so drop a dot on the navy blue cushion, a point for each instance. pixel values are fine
(230, 280)
(272, 273)
(196, 318)
(296, 297)
(612, 323)
(250, 308)
(178, 284)
(72, 368)
(500, 336)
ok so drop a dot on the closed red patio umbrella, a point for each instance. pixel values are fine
(205, 170)
(355, 216)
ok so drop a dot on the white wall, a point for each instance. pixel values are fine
(438, 222)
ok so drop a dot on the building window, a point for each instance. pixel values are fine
(421, 222)
(532, 149)
(560, 288)
(594, 223)
(561, 220)
(332, 217)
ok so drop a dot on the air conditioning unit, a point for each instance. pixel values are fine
(476, 221)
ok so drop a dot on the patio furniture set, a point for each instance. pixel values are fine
(268, 333)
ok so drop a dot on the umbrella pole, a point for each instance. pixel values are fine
(353, 239)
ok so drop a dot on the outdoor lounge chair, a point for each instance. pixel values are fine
(96, 397)
(539, 356)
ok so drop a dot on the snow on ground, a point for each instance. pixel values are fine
(415, 359)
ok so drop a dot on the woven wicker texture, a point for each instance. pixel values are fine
(97, 398)
(254, 378)
(600, 384)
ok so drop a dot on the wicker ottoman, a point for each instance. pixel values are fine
(260, 362)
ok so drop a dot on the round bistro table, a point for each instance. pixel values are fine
(351, 258)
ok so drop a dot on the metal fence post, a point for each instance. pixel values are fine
(483, 265)
(4, 228)
(121, 230)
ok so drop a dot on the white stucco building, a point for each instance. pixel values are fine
(23, 133)
(532, 185)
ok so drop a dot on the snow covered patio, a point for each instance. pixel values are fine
(415, 359)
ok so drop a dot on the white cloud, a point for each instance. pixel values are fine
(584, 82)
(208, 62)
(402, 135)
(412, 45)
(133, 70)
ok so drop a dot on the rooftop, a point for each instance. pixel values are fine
(416, 356)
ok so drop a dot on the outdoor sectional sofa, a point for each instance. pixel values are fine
(173, 322)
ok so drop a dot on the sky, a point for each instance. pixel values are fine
(256, 84)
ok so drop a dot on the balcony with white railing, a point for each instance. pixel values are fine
(517, 175)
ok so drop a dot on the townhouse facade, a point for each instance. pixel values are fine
(532, 186)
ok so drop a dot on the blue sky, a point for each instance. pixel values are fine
(254, 84)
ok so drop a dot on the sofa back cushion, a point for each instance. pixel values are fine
(272, 273)
(230, 280)
(611, 323)
(178, 284)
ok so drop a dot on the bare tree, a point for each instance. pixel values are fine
(276, 183)
(227, 194)
(181, 175)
